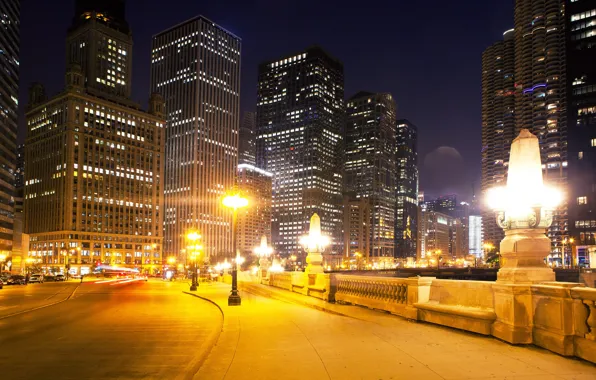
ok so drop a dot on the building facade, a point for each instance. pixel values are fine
(93, 191)
(406, 210)
(300, 114)
(498, 123)
(196, 68)
(9, 92)
(100, 41)
(357, 218)
(247, 149)
(254, 221)
(475, 236)
(581, 128)
(369, 164)
(435, 234)
(541, 99)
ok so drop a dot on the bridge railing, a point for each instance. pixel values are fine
(584, 305)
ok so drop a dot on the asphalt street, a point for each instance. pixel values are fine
(103, 330)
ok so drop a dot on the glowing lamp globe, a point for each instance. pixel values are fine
(526, 202)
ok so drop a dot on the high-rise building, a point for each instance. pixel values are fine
(254, 221)
(498, 123)
(356, 224)
(369, 164)
(196, 67)
(446, 204)
(247, 148)
(9, 92)
(475, 235)
(407, 196)
(94, 167)
(581, 128)
(435, 233)
(100, 41)
(541, 101)
(300, 114)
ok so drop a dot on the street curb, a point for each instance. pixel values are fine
(41, 307)
(195, 365)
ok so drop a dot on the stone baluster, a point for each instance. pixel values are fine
(591, 320)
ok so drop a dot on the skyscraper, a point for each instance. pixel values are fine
(94, 165)
(100, 41)
(254, 221)
(498, 122)
(300, 115)
(406, 212)
(581, 124)
(541, 102)
(196, 67)
(9, 90)
(369, 168)
(247, 148)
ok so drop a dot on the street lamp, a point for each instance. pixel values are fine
(524, 209)
(234, 202)
(194, 250)
(570, 242)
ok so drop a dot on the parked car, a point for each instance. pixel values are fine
(59, 277)
(36, 278)
(1, 283)
(15, 279)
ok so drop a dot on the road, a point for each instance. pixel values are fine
(132, 330)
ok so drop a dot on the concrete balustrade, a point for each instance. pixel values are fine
(557, 316)
(584, 322)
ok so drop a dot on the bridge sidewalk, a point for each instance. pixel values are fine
(272, 335)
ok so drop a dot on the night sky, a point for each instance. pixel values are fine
(426, 53)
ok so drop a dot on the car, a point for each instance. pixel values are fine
(15, 279)
(59, 277)
(36, 278)
(1, 283)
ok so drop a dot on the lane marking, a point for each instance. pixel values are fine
(40, 307)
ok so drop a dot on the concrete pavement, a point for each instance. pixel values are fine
(135, 330)
(269, 338)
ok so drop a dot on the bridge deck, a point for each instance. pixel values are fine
(269, 338)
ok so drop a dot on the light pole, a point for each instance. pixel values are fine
(569, 242)
(194, 249)
(234, 202)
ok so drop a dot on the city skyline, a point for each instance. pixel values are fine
(461, 87)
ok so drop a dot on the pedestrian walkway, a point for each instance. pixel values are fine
(282, 338)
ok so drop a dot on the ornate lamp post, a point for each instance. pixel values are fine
(195, 250)
(314, 245)
(524, 209)
(263, 251)
(234, 202)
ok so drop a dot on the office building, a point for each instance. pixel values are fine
(100, 41)
(581, 129)
(541, 99)
(357, 218)
(369, 164)
(498, 123)
(435, 234)
(94, 170)
(300, 114)
(9, 92)
(254, 221)
(445, 204)
(406, 217)
(475, 236)
(247, 148)
(196, 68)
